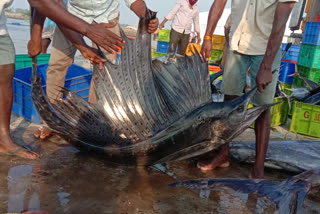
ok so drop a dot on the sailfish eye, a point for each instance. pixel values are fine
(240, 109)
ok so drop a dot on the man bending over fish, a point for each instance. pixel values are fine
(256, 32)
(66, 42)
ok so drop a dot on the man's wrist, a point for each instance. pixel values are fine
(265, 65)
(206, 37)
(36, 36)
(85, 29)
(82, 47)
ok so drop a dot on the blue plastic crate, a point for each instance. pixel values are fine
(78, 80)
(311, 33)
(293, 52)
(286, 69)
(162, 47)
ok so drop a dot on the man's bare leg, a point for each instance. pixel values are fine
(222, 160)
(6, 96)
(262, 131)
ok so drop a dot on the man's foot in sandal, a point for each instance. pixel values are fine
(8, 147)
(42, 133)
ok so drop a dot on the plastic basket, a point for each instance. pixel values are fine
(306, 119)
(279, 112)
(218, 42)
(164, 35)
(216, 55)
(309, 56)
(77, 79)
(298, 82)
(156, 54)
(292, 54)
(285, 85)
(287, 68)
(311, 33)
(162, 47)
(23, 60)
(310, 73)
(192, 48)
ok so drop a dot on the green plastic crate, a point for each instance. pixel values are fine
(293, 106)
(216, 55)
(279, 112)
(306, 119)
(285, 85)
(310, 73)
(23, 60)
(298, 82)
(218, 42)
(288, 91)
(156, 54)
(309, 56)
(164, 35)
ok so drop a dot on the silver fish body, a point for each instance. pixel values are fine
(288, 195)
(294, 156)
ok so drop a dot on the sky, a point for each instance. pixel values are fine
(128, 17)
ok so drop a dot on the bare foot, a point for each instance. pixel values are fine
(42, 133)
(8, 147)
(221, 162)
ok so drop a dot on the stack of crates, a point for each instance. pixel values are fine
(288, 62)
(217, 47)
(309, 58)
(163, 41)
(306, 117)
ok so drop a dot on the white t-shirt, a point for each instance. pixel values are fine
(3, 19)
(100, 11)
(251, 25)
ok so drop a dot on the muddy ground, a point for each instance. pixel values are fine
(65, 180)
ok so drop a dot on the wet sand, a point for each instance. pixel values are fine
(65, 180)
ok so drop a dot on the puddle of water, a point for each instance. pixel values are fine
(66, 181)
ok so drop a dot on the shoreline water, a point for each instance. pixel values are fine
(19, 16)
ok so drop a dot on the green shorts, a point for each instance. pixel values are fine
(7, 51)
(235, 74)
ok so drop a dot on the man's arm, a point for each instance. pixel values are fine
(213, 18)
(139, 8)
(37, 21)
(98, 33)
(264, 76)
(171, 14)
(34, 45)
(87, 52)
